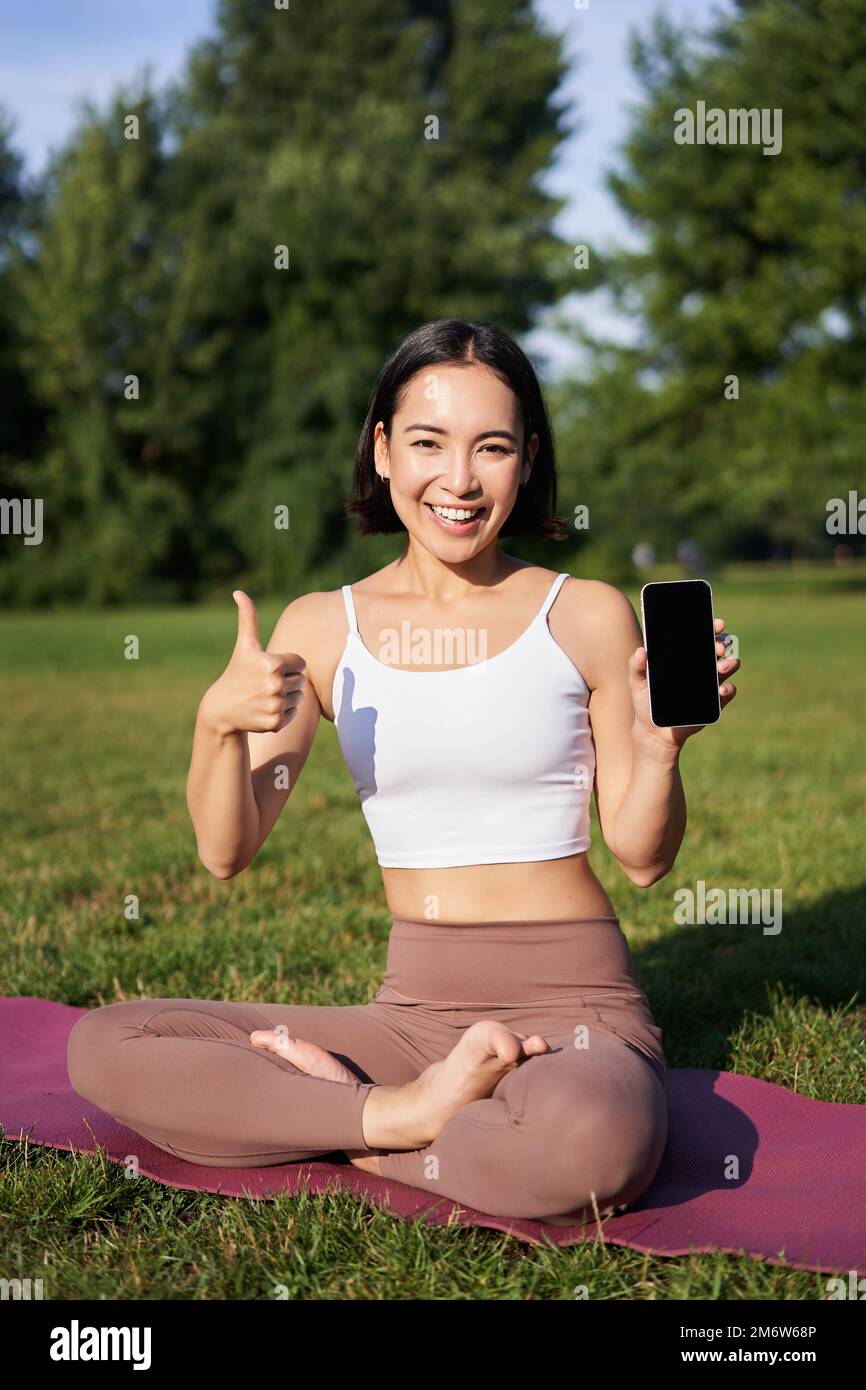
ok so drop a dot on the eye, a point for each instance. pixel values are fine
(498, 447)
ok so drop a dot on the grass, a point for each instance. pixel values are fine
(95, 750)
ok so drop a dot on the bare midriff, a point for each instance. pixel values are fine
(548, 890)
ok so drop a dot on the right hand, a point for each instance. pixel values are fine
(259, 692)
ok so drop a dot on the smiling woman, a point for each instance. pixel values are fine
(463, 518)
(422, 369)
(509, 1060)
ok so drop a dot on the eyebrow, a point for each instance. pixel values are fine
(486, 434)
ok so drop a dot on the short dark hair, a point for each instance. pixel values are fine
(459, 341)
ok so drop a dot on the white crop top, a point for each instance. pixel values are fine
(488, 763)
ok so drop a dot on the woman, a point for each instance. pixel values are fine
(509, 1060)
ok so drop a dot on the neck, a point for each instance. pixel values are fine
(444, 582)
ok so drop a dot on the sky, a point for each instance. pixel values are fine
(57, 51)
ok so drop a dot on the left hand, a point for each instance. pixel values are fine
(645, 733)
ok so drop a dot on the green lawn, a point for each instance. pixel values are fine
(95, 750)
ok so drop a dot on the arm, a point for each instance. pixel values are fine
(639, 792)
(254, 729)
(640, 799)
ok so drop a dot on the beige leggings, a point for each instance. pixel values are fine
(583, 1125)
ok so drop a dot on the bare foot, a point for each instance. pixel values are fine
(315, 1061)
(410, 1116)
(306, 1056)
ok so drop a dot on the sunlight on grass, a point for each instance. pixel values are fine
(95, 751)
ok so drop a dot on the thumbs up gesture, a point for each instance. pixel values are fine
(258, 692)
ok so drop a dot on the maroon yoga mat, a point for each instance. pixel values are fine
(799, 1199)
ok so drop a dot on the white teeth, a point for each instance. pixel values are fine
(455, 513)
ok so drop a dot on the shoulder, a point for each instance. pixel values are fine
(597, 625)
(595, 602)
(315, 627)
(324, 611)
(314, 612)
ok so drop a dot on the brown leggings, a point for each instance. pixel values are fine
(584, 1123)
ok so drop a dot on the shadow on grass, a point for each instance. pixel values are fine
(702, 979)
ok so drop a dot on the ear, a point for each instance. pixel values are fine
(380, 453)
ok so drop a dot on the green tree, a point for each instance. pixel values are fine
(308, 128)
(88, 292)
(20, 419)
(754, 266)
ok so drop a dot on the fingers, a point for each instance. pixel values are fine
(248, 622)
(289, 663)
(292, 683)
(273, 1039)
(283, 713)
(727, 665)
(296, 680)
(285, 691)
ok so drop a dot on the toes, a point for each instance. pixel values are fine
(530, 1044)
(507, 1046)
(271, 1038)
(502, 1046)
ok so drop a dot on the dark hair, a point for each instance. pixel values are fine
(459, 341)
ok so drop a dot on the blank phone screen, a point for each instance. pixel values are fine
(681, 653)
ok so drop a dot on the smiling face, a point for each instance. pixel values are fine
(455, 458)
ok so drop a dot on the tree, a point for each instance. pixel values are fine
(308, 129)
(251, 257)
(20, 420)
(87, 290)
(754, 268)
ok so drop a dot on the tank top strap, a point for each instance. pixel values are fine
(350, 608)
(554, 590)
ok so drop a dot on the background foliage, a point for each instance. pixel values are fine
(155, 257)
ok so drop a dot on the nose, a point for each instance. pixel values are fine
(458, 473)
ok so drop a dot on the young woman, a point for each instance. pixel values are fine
(509, 1060)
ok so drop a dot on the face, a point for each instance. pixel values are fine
(455, 458)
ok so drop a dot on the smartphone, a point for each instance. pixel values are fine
(680, 642)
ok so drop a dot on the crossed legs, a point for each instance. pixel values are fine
(184, 1074)
(563, 1132)
(558, 1132)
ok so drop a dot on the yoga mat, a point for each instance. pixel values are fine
(799, 1199)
